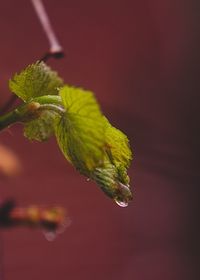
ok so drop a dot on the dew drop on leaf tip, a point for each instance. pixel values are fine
(124, 195)
(121, 203)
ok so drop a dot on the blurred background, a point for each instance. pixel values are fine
(141, 58)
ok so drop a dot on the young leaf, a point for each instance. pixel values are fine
(112, 175)
(42, 128)
(117, 146)
(120, 155)
(92, 145)
(87, 139)
(107, 177)
(36, 80)
(81, 132)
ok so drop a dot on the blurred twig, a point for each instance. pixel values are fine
(51, 218)
(55, 46)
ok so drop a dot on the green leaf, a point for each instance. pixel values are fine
(87, 139)
(42, 128)
(36, 80)
(92, 145)
(81, 132)
(107, 177)
(112, 175)
(118, 147)
(119, 152)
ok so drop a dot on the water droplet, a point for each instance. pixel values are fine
(121, 203)
(88, 179)
(124, 195)
(50, 235)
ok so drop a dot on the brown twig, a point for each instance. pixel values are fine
(51, 218)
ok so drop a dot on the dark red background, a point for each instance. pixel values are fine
(141, 58)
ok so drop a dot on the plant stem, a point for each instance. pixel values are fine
(49, 99)
(19, 114)
(8, 119)
(55, 46)
(29, 111)
(52, 107)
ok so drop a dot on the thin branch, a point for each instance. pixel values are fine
(48, 55)
(30, 111)
(51, 218)
(55, 46)
(20, 114)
